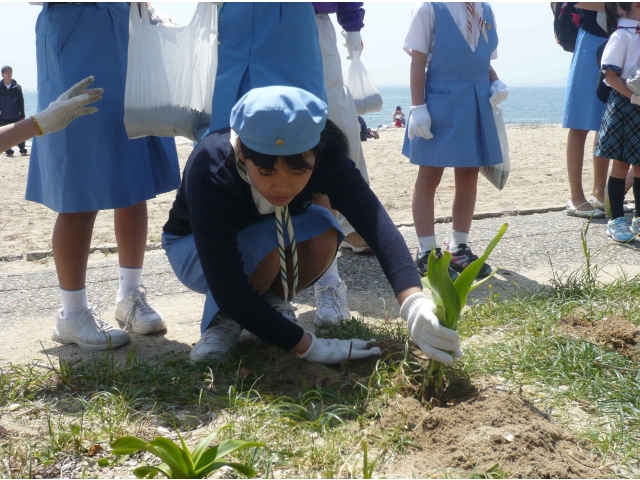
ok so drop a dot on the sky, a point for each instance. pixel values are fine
(527, 52)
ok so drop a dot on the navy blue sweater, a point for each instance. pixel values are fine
(214, 203)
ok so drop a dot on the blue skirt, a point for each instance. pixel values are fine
(254, 243)
(582, 108)
(92, 164)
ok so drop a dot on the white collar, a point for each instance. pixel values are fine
(627, 22)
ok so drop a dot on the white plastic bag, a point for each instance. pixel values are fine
(366, 96)
(170, 74)
(498, 174)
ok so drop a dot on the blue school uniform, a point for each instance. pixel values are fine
(92, 164)
(457, 96)
(582, 108)
(261, 45)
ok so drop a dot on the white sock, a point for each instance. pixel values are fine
(273, 299)
(73, 302)
(457, 238)
(331, 275)
(130, 278)
(427, 242)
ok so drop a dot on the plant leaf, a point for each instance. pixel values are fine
(465, 279)
(128, 445)
(186, 456)
(201, 447)
(229, 446)
(238, 467)
(442, 289)
(171, 454)
(148, 472)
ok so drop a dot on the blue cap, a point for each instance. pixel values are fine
(279, 120)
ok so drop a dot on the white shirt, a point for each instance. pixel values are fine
(623, 48)
(8, 86)
(421, 32)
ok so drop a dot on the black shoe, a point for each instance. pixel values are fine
(421, 263)
(463, 257)
(9, 153)
(24, 152)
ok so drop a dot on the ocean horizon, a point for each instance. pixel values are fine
(525, 105)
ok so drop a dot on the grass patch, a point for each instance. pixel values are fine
(314, 424)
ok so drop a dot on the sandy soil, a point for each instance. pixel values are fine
(538, 179)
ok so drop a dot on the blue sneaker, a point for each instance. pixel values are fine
(635, 226)
(618, 229)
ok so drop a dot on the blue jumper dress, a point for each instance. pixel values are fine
(457, 95)
(92, 165)
(261, 45)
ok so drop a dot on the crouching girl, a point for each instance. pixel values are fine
(249, 230)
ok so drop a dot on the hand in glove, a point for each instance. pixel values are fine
(69, 106)
(499, 93)
(634, 81)
(331, 350)
(157, 16)
(433, 339)
(419, 122)
(353, 43)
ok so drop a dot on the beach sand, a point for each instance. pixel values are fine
(538, 179)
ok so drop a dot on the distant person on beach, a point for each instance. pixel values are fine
(11, 106)
(619, 135)
(92, 165)
(583, 113)
(394, 118)
(69, 106)
(363, 129)
(251, 225)
(454, 129)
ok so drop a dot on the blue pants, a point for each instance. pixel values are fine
(254, 242)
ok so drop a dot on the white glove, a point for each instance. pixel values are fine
(68, 107)
(420, 122)
(332, 350)
(634, 81)
(159, 17)
(499, 93)
(353, 43)
(433, 339)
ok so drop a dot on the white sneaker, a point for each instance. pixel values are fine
(331, 303)
(135, 312)
(88, 331)
(218, 341)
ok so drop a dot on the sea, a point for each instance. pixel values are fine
(524, 105)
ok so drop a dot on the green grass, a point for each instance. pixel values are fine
(319, 431)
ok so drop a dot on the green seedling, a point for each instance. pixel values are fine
(450, 297)
(182, 463)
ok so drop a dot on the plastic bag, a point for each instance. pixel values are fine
(498, 174)
(366, 96)
(170, 74)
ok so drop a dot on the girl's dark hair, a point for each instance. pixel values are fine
(611, 10)
(333, 147)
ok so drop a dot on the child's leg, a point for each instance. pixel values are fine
(635, 169)
(615, 188)
(423, 205)
(575, 158)
(464, 200)
(600, 170)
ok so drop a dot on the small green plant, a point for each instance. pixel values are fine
(450, 297)
(180, 462)
(368, 467)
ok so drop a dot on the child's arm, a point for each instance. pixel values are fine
(493, 76)
(417, 77)
(615, 81)
(16, 133)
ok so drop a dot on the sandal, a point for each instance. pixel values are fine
(574, 212)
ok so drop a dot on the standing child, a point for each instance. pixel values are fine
(619, 135)
(456, 41)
